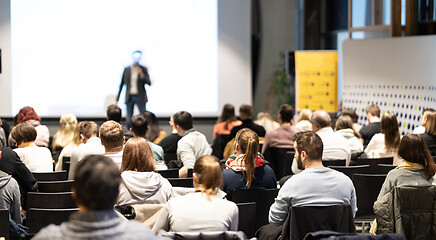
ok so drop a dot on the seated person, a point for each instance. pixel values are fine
(64, 135)
(265, 120)
(303, 121)
(226, 121)
(95, 191)
(344, 126)
(36, 159)
(429, 134)
(169, 143)
(68, 150)
(246, 116)
(353, 115)
(10, 196)
(247, 169)
(374, 123)
(112, 139)
(316, 185)
(114, 113)
(421, 129)
(154, 133)
(28, 115)
(140, 183)
(201, 211)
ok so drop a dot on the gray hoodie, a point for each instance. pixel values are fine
(10, 196)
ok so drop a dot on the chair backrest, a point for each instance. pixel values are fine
(55, 186)
(374, 162)
(181, 182)
(367, 189)
(190, 172)
(51, 176)
(280, 160)
(168, 156)
(263, 198)
(50, 200)
(169, 173)
(385, 168)
(351, 170)
(247, 218)
(4, 223)
(66, 164)
(334, 162)
(38, 218)
(222, 235)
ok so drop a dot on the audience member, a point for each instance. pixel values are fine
(335, 145)
(247, 169)
(352, 114)
(68, 150)
(91, 145)
(316, 185)
(192, 145)
(114, 113)
(344, 126)
(417, 168)
(304, 120)
(140, 184)
(226, 121)
(10, 196)
(385, 144)
(429, 135)
(112, 139)
(282, 137)
(373, 123)
(36, 159)
(201, 211)
(245, 114)
(421, 129)
(154, 133)
(95, 191)
(64, 135)
(139, 127)
(265, 120)
(169, 143)
(28, 114)
(3, 137)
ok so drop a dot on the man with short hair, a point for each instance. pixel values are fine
(139, 127)
(192, 145)
(374, 123)
(316, 185)
(92, 145)
(335, 145)
(246, 116)
(112, 139)
(169, 143)
(113, 112)
(95, 191)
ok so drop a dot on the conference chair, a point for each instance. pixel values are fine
(247, 218)
(374, 162)
(263, 198)
(50, 200)
(334, 162)
(190, 172)
(280, 160)
(169, 173)
(4, 224)
(351, 170)
(66, 164)
(169, 156)
(221, 235)
(38, 218)
(385, 168)
(55, 186)
(50, 176)
(181, 182)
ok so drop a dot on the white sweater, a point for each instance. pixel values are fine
(36, 159)
(376, 149)
(191, 147)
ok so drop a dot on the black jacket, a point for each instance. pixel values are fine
(259, 130)
(142, 94)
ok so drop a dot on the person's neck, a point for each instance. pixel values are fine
(284, 124)
(27, 144)
(115, 149)
(373, 119)
(313, 163)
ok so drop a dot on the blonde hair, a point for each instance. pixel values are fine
(65, 135)
(430, 124)
(305, 114)
(111, 134)
(248, 143)
(209, 175)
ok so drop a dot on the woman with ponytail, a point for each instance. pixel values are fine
(203, 210)
(247, 168)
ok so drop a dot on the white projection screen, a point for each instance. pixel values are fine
(68, 56)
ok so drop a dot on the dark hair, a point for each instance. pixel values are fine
(389, 127)
(248, 143)
(208, 171)
(137, 156)
(139, 125)
(27, 113)
(430, 124)
(286, 112)
(184, 120)
(413, 149)
(227, 115)
(246, 110)
(111, 134)
(153, 125)
(311, 143)
(88, 129)
(113, 112)
(345, 122)
(321, 119)
(23, 132)
(351, 113)
(96, 182)
(373, 109)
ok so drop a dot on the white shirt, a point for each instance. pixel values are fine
(92, 146)
(133, 80)
(355, 144)
(36, 159)
(117, 157)
(419, 130)
(191, 147)
(335, 146)
(377, 149)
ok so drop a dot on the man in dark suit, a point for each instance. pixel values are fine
(134, 77)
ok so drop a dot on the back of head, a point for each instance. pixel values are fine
(88, 129)
(228, 113)
(111, 134)
(23, 132)
(351, 113)
(413, 149)
(64, 136)
(139, 125)
(245, 112)
(373, 110)
(389, 127)
(345, 122)
(113, 112)
(137, 156)
(184, 120)
(305, 114)
(286, 112)
(430, 124)
(153, 125)
(27, 113)
(310, 143)
(321, 119)
(96, 183)
(68, 121)
(248, 144)
(208, 173)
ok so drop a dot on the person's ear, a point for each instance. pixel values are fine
(195, 178)
(303, 155)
